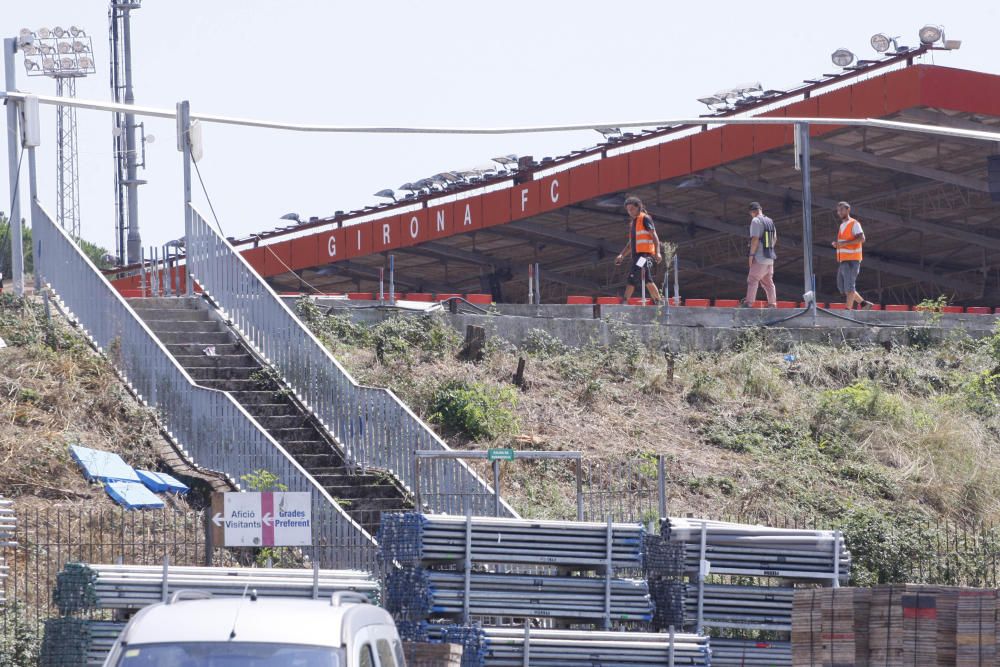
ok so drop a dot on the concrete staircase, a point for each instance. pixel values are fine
(186, 326)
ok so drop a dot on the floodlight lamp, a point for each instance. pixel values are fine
(952, 44)
(80, 47)
(748, 88)
(30, 65)
(149, 138)
(64, 47)
(711, 101)
(76, 32)
(28, 50)
(291, 216)
(58, 32)
(25, 37)
(881, 43)
(46, 49)
(506, 160)
(386, 193)
(48, 64)
(842, 57)
(930, 34)
(67, 63)
(44, 33)
(86, 62)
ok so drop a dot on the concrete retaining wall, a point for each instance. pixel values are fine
(690, 329)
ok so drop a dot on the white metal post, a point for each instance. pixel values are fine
(183, 145)
(13, 137)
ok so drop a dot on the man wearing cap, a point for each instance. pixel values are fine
(763, 237)
(850, 238)
(644, 247)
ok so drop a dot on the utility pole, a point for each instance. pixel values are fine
(128, 239)
(13, 136)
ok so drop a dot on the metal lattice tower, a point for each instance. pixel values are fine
(68, 162)
(63, 55)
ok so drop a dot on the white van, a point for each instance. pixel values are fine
(195, 630)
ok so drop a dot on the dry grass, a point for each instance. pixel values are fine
(54, 392)
(916, 446)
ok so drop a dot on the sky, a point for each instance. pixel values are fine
(456, 63)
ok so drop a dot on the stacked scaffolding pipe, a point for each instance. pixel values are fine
(571, 648)
(742, 607)
(760, 551)
(418, 593)
(8, 522)
(419, 539)
(750, 653)
(136, 586)
(102, 637)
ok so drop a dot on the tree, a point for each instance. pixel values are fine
(93, 251)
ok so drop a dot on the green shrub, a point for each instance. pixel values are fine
(478, 411)
(982, 393)
(861, 400)
(885, 549)
(20, 644)
(542, 344)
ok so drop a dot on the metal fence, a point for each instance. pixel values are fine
(217, 431)
(47, 539)
(373, 426)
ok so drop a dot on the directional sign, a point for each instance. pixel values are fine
(265, 519)
(500, 454)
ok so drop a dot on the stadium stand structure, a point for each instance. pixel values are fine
(924, 201)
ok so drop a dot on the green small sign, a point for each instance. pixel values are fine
(500, 454)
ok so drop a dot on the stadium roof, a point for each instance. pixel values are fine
(923, 200)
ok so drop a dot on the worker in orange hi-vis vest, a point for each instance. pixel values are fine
(644, 247)
(850, 238)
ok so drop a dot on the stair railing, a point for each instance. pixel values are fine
(374, 427)
(209, 425)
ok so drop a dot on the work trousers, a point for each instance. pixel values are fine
(761, 275)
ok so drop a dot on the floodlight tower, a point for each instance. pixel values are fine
(63, 55)
(127, 239)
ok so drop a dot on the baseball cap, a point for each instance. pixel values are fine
(754, 206)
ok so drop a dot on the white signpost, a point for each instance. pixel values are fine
(263, 519)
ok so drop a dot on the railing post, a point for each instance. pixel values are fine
(662, 484)
(579, 488)
(496, 488)
(416, 482)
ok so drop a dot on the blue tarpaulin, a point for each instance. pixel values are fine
(133, 495)
(101, 466)
(160, 482)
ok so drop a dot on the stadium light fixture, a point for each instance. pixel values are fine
(74, 59)
(388, 193)
(881, 42)
(609, 132)
(294, 217)
(506, 160)
(930, 34)
(842, 57)
(76, 32)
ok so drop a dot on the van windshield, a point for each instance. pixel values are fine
(231, 654)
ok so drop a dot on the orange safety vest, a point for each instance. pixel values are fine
(849, 252)
(644, 243)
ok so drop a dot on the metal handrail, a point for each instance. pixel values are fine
(375, 428)
(214, 429)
